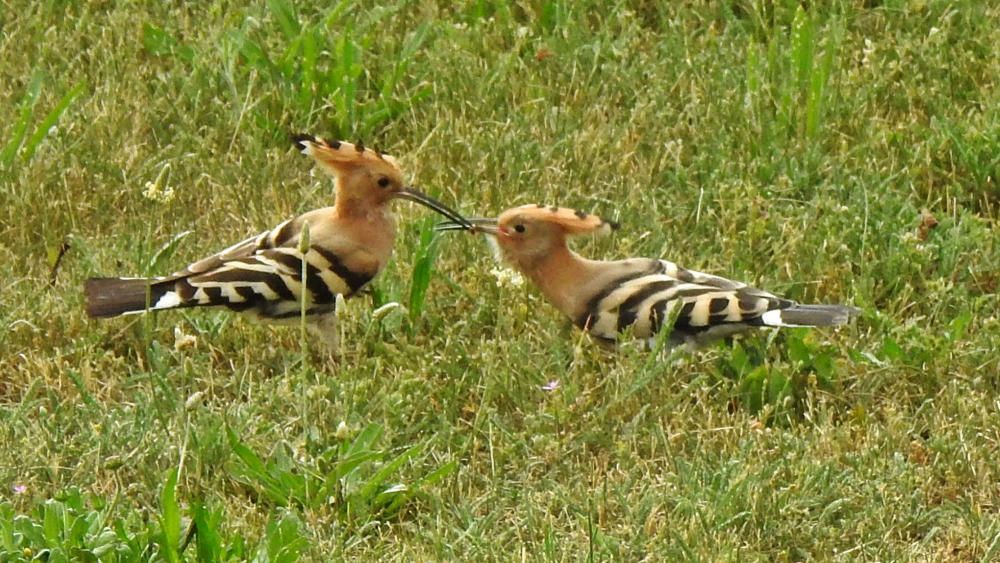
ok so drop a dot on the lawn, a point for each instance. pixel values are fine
(845, 152)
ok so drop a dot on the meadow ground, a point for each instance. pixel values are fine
(845, 153)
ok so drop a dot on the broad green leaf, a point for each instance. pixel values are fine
(170, 519)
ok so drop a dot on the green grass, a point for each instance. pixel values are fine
(792, 148)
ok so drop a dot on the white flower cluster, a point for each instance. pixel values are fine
(182, 340)
(154, 192)
(158, 190)
(866, 52)
(507, 277)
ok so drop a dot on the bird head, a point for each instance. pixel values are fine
(528, 233)
(366, 178)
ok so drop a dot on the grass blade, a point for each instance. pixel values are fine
(21, 127)
(349, 464)
(308, 85)
(802, 48)
(363, 441)
(284, 541)
(423, 269)
(165, 253)
(170, 519)
(368, 491)
(158, 42)
(50, 120)
(256, 469)
(418, 487)
(208, 540)
(287, 19)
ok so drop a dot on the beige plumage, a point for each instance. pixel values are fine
(639, 294)
(349, 244)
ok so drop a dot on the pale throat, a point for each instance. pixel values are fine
(372, 223)
(559, 273)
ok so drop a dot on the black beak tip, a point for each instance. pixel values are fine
(414, 194)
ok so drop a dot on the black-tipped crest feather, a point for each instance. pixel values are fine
(299, 140)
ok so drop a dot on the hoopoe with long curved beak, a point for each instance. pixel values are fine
(639, 295)
(348, 245)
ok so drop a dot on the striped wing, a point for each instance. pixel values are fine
(285, 234)
(270, 282)
(263, 274)
(641, 301)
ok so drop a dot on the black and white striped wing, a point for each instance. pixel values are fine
(262, 275)
(641, 302)
(269, 283)
(285, 234)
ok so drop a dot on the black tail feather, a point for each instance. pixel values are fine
(110, 297)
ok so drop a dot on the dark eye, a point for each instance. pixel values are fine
(519, 228)
(383, 182)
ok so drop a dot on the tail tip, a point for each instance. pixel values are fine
(810, 316)
(111, 297)
(846, 314)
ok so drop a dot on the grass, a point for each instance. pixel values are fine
(800, 149)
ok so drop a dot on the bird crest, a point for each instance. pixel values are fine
(572, 222)
(341, 153)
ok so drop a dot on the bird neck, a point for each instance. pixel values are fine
(367, 225)
(348, 206)
(559, 275)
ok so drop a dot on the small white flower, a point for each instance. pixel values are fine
(867, 52)
(194, 400)
(152, 192)
(934, 31)
(674, 148)
(386, 309)
(157, 190)
(343, 431)
(551, 386)
(522, 32)
(507, 277)
(183, 340)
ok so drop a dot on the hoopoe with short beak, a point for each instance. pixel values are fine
(348, 245)
(639, 294)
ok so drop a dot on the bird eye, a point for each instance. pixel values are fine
(519, 228)
(383, 182)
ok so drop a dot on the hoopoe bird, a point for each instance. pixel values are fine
(638, 295)
(348, 245)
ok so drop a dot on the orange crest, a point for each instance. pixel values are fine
(340, 155)
(571, 221)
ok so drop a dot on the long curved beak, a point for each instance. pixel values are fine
(486, 225)
(415, 195)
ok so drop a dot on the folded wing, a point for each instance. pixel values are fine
(708, 306)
